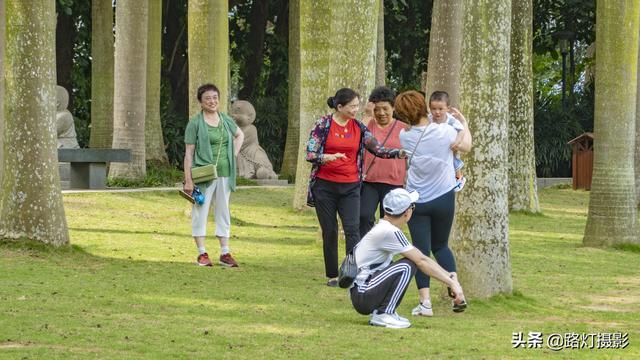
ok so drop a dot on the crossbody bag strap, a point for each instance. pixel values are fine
(416, 147)
(220, 143)
(384, 142)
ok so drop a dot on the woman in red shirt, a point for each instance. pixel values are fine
(381, 175)
(336, 150)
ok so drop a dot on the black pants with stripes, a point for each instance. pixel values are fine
(385, 288)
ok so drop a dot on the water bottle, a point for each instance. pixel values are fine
(197, 195)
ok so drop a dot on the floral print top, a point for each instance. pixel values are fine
(318, 138)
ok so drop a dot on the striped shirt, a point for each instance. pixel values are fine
(378, 247)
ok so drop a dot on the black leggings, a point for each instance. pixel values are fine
(430, 226)
(371, 197)
(343, 198)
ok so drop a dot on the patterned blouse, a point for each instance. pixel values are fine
(318, 138)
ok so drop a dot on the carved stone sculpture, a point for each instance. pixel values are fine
(64, 120)
(253, 162)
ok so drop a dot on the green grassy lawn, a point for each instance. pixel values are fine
(128, 288)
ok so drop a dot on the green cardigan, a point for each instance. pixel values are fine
(196, 133)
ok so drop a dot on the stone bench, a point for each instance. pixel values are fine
(88, 167)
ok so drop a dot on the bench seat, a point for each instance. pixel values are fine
(88, 167)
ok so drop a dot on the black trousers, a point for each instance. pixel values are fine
(430, 226)
(343, 199)
(371, 197)
(385, 289)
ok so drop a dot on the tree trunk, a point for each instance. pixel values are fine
(309, 48)
(612, 206)
(101, 74)
(130, 86)
(523, 190)
(445, 41)
(481, 239)
(208, 46)
(291, 148)
(257, 25)
(324, 67)
(2, 34)
(381, 76)
(30, 198)
(637, 140)
(153, 129)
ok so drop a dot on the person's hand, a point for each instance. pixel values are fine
(457, 114)
(403, 154)
(187, 186)
(455, 145)
(333, 157)
(457, 291)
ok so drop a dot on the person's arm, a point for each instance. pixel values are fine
(429, 267)
(373, 146)
(188, 161)
(456, 143)
(238, 139)
(465, 143)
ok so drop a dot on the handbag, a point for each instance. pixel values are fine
(348, 271)
(206, 173)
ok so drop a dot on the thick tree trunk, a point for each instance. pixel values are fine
(523, 190)
(153, 129)
(30, 198)
(130, 88)
(612, 206)
(257, 23)
(325, 67)
(481, 240)
(445, 41)
(2, 35)
(637, 140)
(291, 148)
(309, 70)
(102, 51)
(208, 49)
(381, 76)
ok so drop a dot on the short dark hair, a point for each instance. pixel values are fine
(439, 96)
(206, 87)
(382, 93)
(342, 97)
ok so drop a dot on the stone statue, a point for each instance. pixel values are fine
(253, 162)
(64, 121)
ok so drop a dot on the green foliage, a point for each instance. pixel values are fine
(406, 40)
(272, 127)
(157, 175)
(634, 248)
(551, 16)
(173, 126)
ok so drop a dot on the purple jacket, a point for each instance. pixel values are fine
(318, 138)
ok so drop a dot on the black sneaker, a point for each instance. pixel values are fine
(458, 308)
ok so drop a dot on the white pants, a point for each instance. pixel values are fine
(219, 192)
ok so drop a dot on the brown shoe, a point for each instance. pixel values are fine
(203, 260)
(228, 260)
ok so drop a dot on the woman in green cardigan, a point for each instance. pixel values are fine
(212, 137)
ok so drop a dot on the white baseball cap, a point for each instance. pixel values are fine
(398, 201)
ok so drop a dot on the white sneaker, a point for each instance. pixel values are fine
(392, 321)
(423, 309)
(460, 184)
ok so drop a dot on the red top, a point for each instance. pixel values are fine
(388, 171)
(346, 140)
